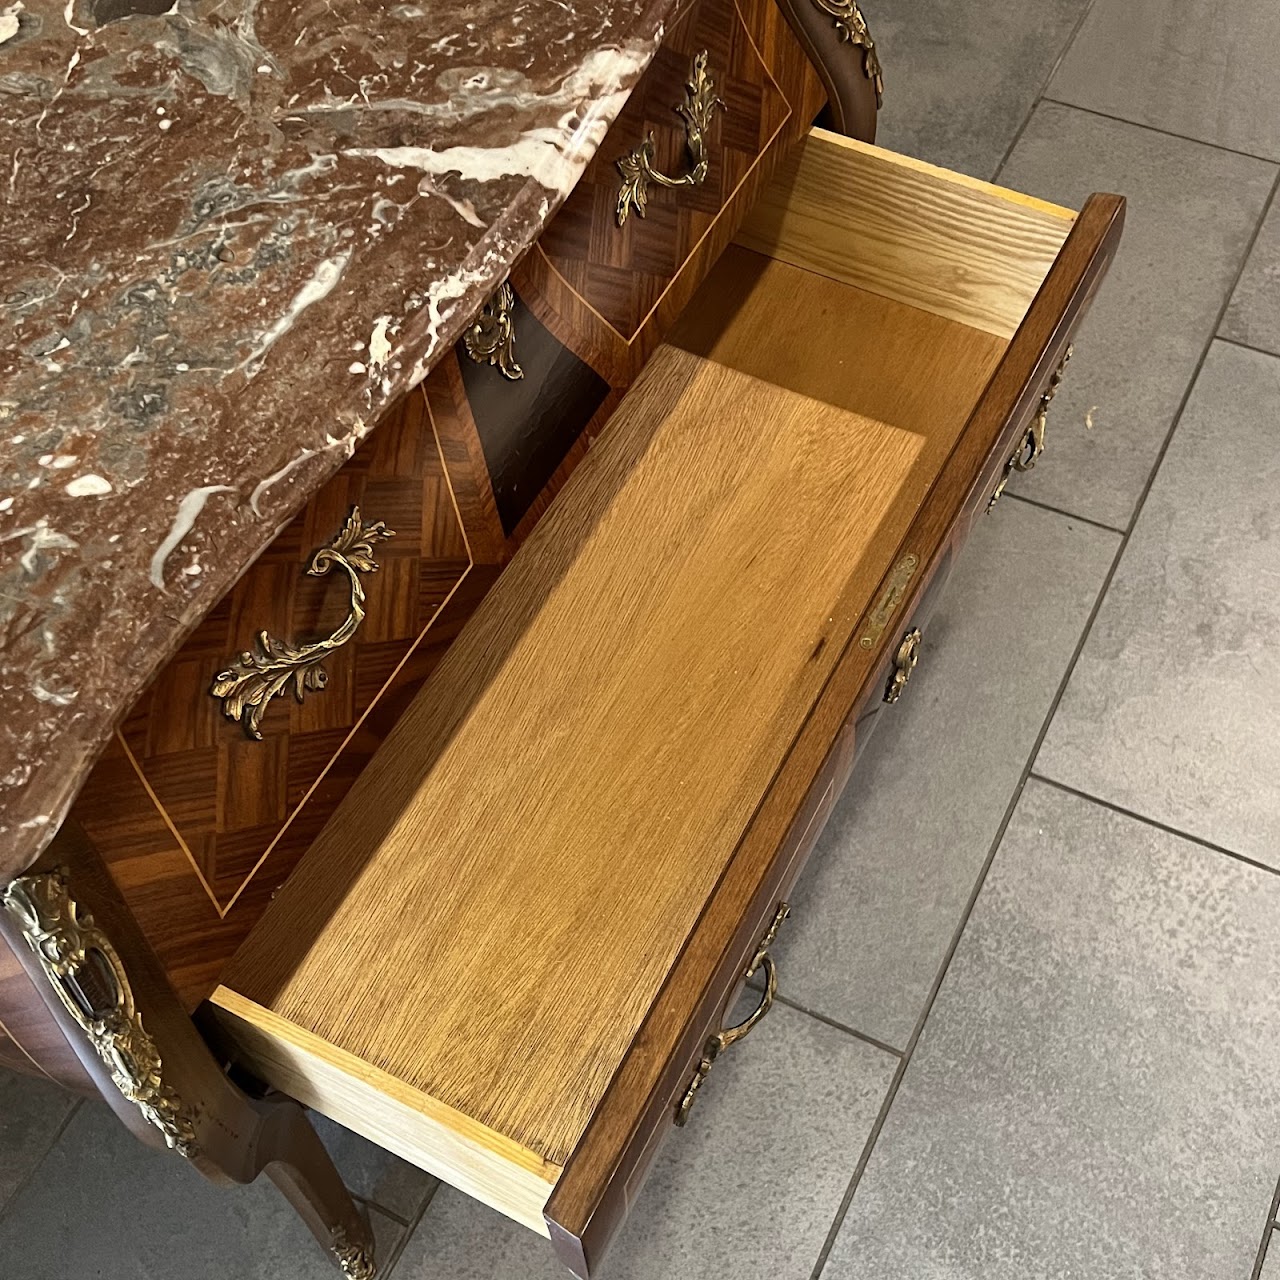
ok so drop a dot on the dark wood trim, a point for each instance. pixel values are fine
(30, 1040)
(840, 65)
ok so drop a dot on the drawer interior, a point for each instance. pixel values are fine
(879, 284)
(472, 945)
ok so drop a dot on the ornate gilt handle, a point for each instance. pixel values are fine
(904, 663)
(491, 339)
(852, 28)
(86, 972)
(723, 1038)
(636, 166)
(247, 686)
(1031, 446)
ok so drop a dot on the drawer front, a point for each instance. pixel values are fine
(1023, 443)
(1017, 450)
(702, 115)
(922, 596)
(673, 1102)
(230, 763)
(571, 328)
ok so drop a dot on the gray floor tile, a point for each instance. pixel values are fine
(748, 1189)
(1254, 314)
(1202, 68)
(103, 1205)
(1183, 246)
(876, 909)
(960, 79)
(1172, 709)
(373, 1173)
(31, 1113)
(1094, 1096)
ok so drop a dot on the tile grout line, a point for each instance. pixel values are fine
(1266, 1236)
(1260, 1261)
(895, 1084)
(25, 1181)
(1062, 511)
(1247, 346)
(1133, 814)
(1044, 89)
(936, 986)
(384, 1269)
(839, 1026)
(370, 1203)
(1155, 128)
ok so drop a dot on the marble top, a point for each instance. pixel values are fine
(233, 233)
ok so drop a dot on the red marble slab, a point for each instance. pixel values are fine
(233, 234)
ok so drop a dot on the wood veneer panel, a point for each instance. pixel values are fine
(621, 272)
(899, 227)
(30, 1039)
(644, 663)
(198, 824)
(567, 312)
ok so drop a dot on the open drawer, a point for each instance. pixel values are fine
(508, 955)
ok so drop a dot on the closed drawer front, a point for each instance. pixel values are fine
(727, 93)
(691, 133)
(227, 767)
(731, 573)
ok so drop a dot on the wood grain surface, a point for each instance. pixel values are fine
(840, 344)
(939, 240)
(386, 1110)
(643, 664)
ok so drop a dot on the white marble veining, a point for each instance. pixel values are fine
(235, 233)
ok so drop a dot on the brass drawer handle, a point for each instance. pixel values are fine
(1031, 446)
(90, 980)
(852, 28)
(904, 663)
(247, 686)
(723, 1038)
(491, 339)
(636, 166)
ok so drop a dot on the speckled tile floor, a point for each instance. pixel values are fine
(1030, 1000)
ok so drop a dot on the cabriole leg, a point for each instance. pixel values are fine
(74, 934)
